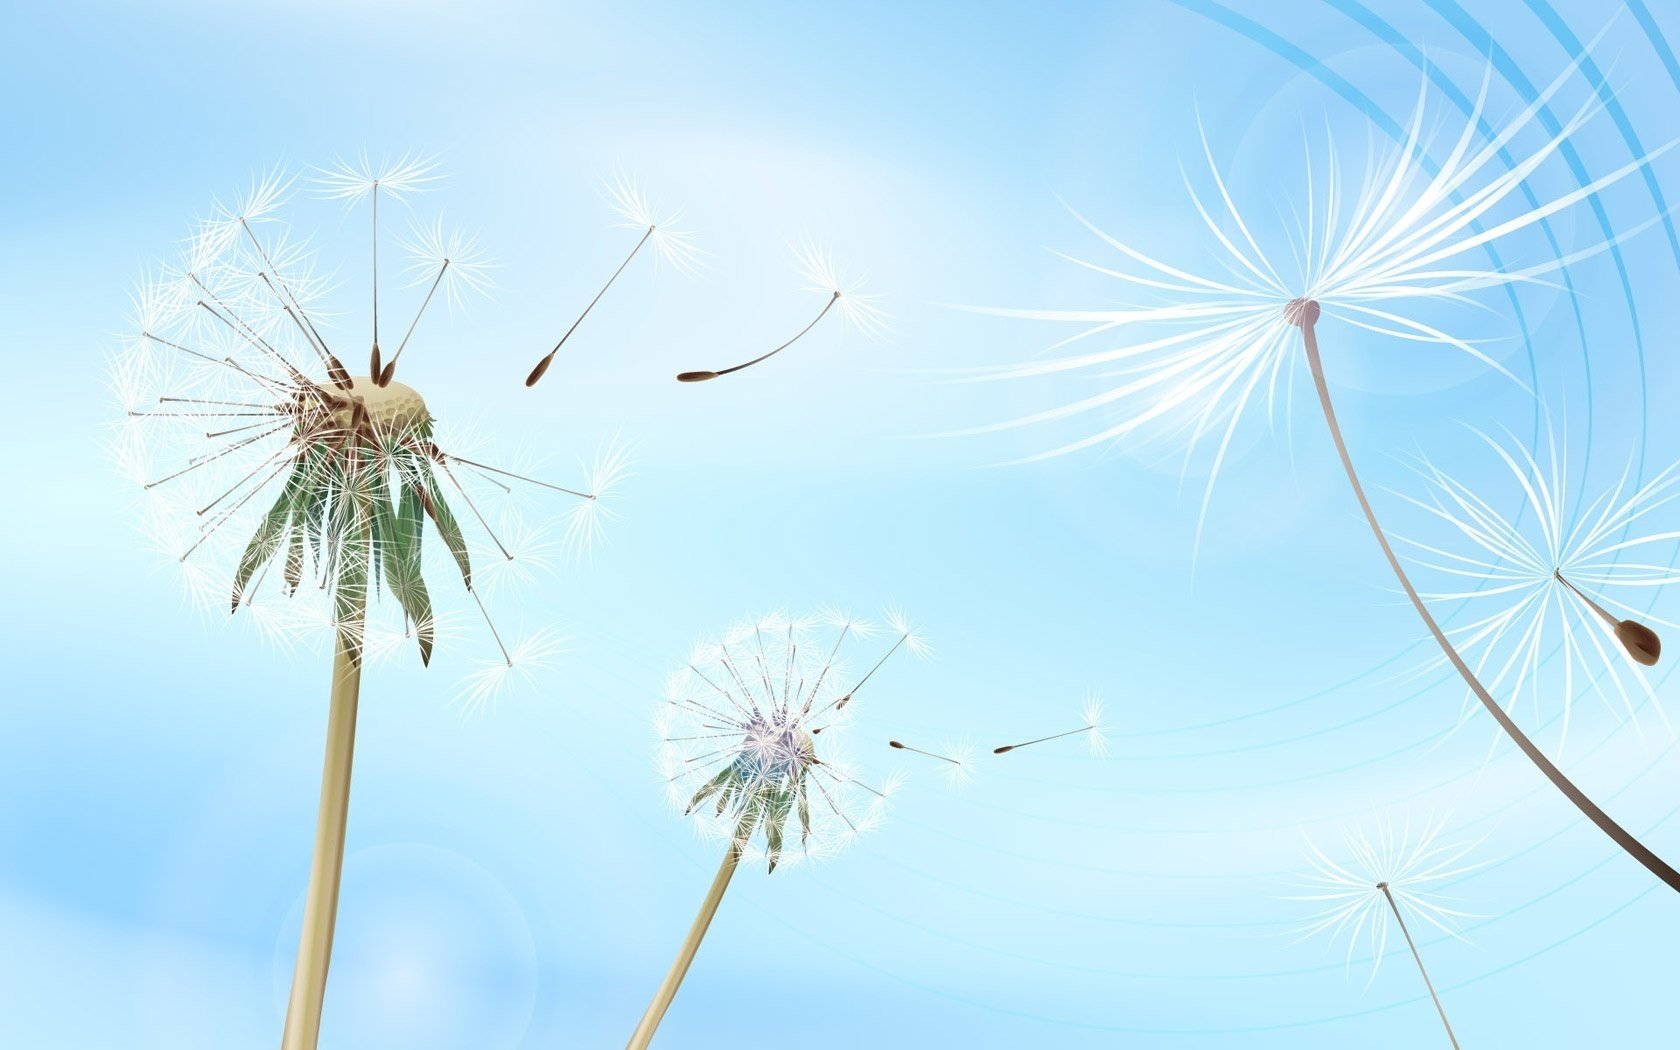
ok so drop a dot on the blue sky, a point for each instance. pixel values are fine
(515, 879)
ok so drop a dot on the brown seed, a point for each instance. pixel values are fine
(374, 365)
(1641, 643)
(385, 376)
(1001, 750)
(695, 377)
(538, 372)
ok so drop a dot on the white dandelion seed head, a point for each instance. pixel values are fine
(860, 309)
(274, 491)
(450, 259)
(1409, 860)
(1092, 715)
(752, 739)
(396, 179)
(1383, 247)
(587, 521)
(1545, 578)
(671, 244)
(494, 678)
(958, 769)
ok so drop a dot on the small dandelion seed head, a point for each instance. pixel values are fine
(450, 258)
(860, 309)
(671, 243)
(1409, 860)
(397, 179)
(750, 746)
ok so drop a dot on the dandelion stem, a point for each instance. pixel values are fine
(644, 1032)
(1427, 983)
(320, 909)
(702, 376)
(1305, 315)
(542, 366)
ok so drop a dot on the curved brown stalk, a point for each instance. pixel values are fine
(643, 1034)
(1304, 314)
(1427, 983)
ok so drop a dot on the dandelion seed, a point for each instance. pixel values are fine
(739, 755)
(958, 758)
(1091, 717)
(860, 311)
(301, 500)
(670, 244)
(1390, 872)
(1409, 238)
(1541, 580)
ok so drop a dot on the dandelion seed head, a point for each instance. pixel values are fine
(752, 743)
(1410, 861)
(671, 243)
(493, 679)
(1380, 247)
(451, 258)
(1541, 578)
(861, 310)
(282, 491)
(398, 179)
(1092, 715)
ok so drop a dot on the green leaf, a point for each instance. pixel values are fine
(431, 497)
(294, 556)
(266, 542)
(710, 788)
(780, 802)
(397, 535)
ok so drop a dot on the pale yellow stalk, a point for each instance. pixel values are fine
(679, 969)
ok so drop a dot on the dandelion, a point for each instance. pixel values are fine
(1090, 727)
(1388, 873)
(740, 754)
(1408, 237)
(283, 485)
(861, 311)
(670, 244)
(1545, 579)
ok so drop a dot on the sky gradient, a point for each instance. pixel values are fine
(515, 878)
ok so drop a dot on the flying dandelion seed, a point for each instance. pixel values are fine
(862, 312)
(1542, 581)
(1410, 235)
(1091, 727)
(958, 759)
(670, 244)
(306, 501)
(1388, 873)
(740, 755)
